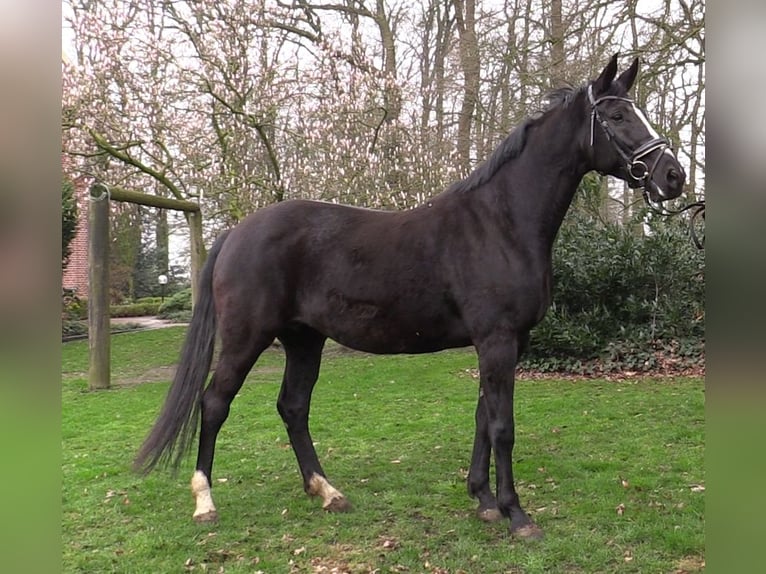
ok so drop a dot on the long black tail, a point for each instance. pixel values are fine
(171, 437)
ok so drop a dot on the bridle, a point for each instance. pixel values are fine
(634, 160)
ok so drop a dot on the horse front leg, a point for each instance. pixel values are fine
(478, 474)
(498, 355)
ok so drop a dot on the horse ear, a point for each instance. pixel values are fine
(627, 78)
(603, 82)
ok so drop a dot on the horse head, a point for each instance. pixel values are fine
(622, 142)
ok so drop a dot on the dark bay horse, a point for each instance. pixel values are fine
(470, 267)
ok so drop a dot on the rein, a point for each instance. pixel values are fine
(633, 159)
(697, 209)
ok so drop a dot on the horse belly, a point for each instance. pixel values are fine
(378, 338)
(396, 327)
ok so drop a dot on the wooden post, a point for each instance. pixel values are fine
(98, 288)
(98, 261)
(197, 251)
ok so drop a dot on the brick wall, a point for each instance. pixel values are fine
(76, 274)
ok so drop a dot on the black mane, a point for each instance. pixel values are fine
(512, 146)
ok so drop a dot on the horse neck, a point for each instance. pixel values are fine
(536, 189)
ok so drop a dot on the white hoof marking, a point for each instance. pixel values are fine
(201, 491)
(332, 498)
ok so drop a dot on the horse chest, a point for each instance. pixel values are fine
(518, 298)
(528, 300)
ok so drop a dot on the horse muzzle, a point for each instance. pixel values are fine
(658, 171)
(666, 181)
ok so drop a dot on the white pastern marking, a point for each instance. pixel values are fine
(318, 485)
(201, 490)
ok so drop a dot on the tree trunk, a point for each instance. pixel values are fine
(392, 96)
(557, 45)
(469, 62)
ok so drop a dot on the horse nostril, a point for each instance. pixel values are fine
(674, 177)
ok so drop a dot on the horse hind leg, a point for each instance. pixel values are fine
(230, 372)
(303, 350)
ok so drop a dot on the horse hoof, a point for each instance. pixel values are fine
(489, 514)
(527, 532)
(206, 518)
(337, 504)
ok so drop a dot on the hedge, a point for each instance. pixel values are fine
(134, 309)
(178, 307)
(622, 298)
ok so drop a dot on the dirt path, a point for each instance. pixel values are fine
(148, 322)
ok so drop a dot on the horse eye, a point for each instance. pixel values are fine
(617, 116)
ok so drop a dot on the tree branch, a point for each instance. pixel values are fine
(260, 129)
(120, 154)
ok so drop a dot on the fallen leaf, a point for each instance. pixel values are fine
(620, 509)
(204, 540)
(389, 544)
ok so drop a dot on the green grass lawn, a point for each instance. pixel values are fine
(612, 471)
